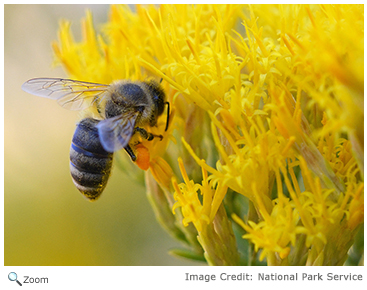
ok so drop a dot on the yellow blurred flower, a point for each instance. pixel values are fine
(266, 124)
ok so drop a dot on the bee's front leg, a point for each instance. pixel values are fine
(146, 135)
(130, 152)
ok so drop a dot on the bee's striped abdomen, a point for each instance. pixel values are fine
(90, 163)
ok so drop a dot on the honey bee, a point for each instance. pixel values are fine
(129, 106)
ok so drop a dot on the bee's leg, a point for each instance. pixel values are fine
(130, 152)
(146, 135)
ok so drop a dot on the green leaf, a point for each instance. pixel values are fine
(188, 254)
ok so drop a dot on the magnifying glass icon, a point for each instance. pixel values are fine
(13, 277)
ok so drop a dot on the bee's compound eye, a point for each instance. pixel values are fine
(158, 96)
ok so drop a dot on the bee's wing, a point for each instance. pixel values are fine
(70, 94)
(115, 133)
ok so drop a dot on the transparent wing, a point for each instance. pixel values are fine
(70, 94)
(115, 133)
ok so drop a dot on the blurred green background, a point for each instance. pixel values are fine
(46, 220)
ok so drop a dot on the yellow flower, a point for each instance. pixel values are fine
(266, 123)
(187, 196)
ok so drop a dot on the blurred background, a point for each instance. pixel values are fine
(47, 220)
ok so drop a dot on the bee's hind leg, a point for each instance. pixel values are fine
(147, 135)
(130, 152)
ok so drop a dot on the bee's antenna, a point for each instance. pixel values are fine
(168, 112)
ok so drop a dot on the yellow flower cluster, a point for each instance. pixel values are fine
(266, 105)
